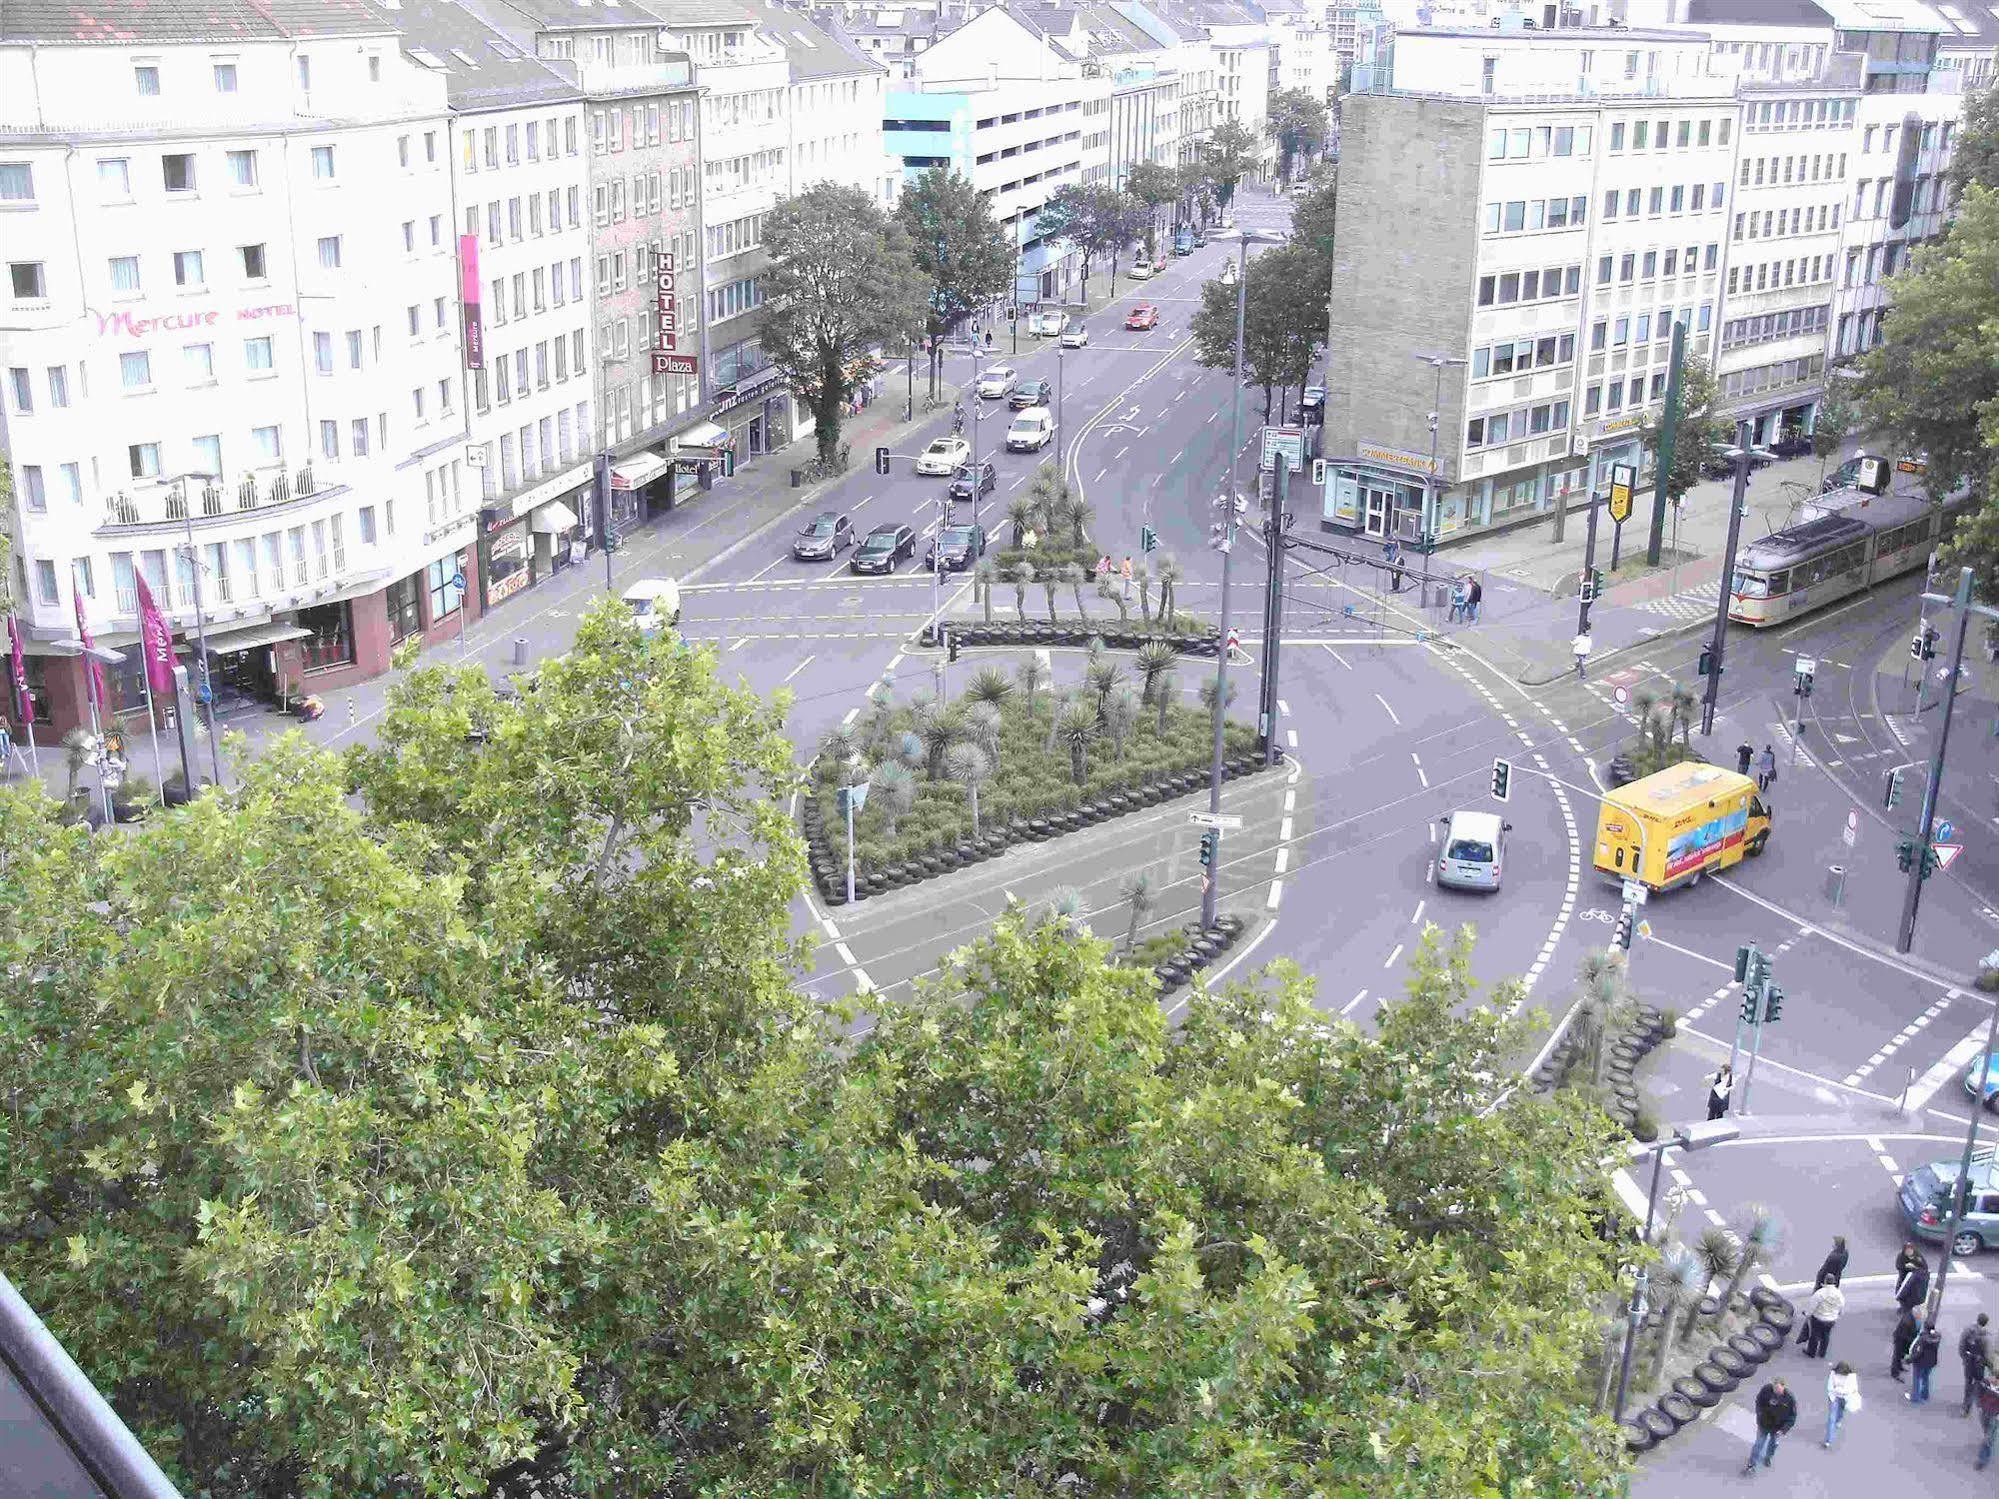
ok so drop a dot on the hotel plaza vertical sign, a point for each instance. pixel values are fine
(468, 301)
(666, 312)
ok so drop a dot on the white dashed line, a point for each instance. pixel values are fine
(1390, 962)
(1417, 915)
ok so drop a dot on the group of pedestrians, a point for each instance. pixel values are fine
(1914, 1348)
(1766, 763)
(1466, 595)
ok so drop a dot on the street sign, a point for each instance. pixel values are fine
(1946, 830)
(1645, 930)
(1635, 893)
(1946, 853)
(1850, 834)
(1622, 697)
(1223, 821)
(1805, 666)
(1622, 477)
(1290, 441)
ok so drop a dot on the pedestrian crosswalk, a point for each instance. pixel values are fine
(1695, 603)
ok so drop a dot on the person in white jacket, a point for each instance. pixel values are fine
(1822, 1309)
(1842, 1393)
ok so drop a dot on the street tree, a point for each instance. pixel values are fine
(1836, 419)
(959, 249)
(1699, 432)
(841, 282)
(1284, 321)
(1976, 158)
(1932, 384)
(1230, 154)
(1157, 186)
(1196, 202)
(1299, 122)
(1313, 220)
(1098, 220)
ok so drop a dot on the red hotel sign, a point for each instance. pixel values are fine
(468, 299)
(676, 364)
(666, 312)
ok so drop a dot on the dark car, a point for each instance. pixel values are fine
(824, 536)
(1792, 445)
(957, 547)
(882, 548)
(964, 487)
(1720, 462)
(1030, 393)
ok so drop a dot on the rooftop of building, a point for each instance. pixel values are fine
(702, 12)
(482, 69)
(812, 51)
(576, 15)
(114, 22)
(1756, 13)
(1561, 36)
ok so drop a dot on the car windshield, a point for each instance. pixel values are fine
(943, 445)
(996, 374)
(878, 541)
(822, 527)
(1469, 851)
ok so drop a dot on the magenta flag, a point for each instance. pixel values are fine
(156, 638)
(93, 669)
(24, 702)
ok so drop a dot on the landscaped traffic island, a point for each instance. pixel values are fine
(1015, 759)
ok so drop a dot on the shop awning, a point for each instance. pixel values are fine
(553, 519)
(706, 435)
(230, 642)
(636, 471)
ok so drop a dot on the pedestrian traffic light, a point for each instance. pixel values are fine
(1209, 840)
(1929, 642)
(1148, 539)
(1905, 854)
(1894, 792)
(881, 460)
(1585, 589)
(1773, 1002)
(1502, 780)
(1707, 660)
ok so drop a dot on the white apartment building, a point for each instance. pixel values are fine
(230, 340)
(1901, 148)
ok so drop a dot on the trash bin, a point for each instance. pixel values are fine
(798, 478)
(520, 650)
(1835, 883)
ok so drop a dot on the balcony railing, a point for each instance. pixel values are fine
(178, 503)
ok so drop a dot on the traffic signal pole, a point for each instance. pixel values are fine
(1586, 591)
(1669, 436)
(1273, 609)
(1962, 1196)
(1926, 826)
(1712, 696)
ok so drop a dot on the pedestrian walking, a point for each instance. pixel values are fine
(1474, 596)
(1842, 1395)
(1457, 602)
(1902, 1342)
(1834, 1265)
(1776, 1413)
(1974, 1348)
(1905, 1258)
(1581, 646)
(1923, 1363)
(1745, 752)
(1822, 1309)
(1720, 1092)
(989, 338)
(1124, 573)
(1766, 769)
(1988, 1416)
(1913, 1289)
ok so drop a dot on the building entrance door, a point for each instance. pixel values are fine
(1380, 506)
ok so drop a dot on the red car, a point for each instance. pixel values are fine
(1144, 315)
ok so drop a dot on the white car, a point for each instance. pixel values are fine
(1141, 270)
(943, 456)
(1047, 324)
(1075, 336)
(994, 383)
(655, 603)
(1030, 431)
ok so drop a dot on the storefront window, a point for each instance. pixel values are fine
(405, 612)
(447, 588)
(506, 562)
(331, 642)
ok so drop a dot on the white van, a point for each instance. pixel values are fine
(1030, 431)
(1474, 850)
(655, 602)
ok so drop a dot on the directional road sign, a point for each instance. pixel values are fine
(1946, 853)
(1635, 893)
(1850, 835)
(1946, 830)
(1226, 822)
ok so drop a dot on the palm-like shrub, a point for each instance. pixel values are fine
(1718, 1253)
(1155, 661)
(1076, 578)
(989, 685)
(1104, 677)
(1758, 1232)
(1170, 573)
(1022, 576)
(1075, 728)
(892, 789)
(1119, 714)
(1141, 898)
(984, 577)
(969, 767)
(1033, 676)
(939, 730)
(984, 722)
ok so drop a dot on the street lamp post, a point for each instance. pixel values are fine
(1688, 1137)
(1433, 490)
(1211, 878)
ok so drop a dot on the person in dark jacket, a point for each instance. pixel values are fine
(1974, 1348)
(1907, 1259)
(1988, 1417)
(1901, 1341)
(1923, 1360)
(1776, 1413)
(1913, 1289)
(1720, 1093)
(1835, 1264)
(1745, 752)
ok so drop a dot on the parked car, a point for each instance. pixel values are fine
(823, 537)
(656, 604)
(1075, 336)
(883, 548)
(1720, 461)
(1792, 445)
(1030, 431)
(965, 485)
(1200, 236)
(1926, 1200)
(957, 548)
(1031, 393)
(1183, 242)
(1047, 324)
(1143, 316)
(1622, 772)
(1312, 405)
(1981, 1081)
(1141, 270)
(943, 455)
(996, 380)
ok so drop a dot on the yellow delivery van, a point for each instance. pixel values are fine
(1685, 821)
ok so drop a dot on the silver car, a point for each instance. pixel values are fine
(1474, 851)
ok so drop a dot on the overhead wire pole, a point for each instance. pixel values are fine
(1273, 608)
(1926, 828)
(1711, 697)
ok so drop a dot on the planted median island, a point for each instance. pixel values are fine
(1020, 756)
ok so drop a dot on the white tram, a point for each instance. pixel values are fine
(1851, 541)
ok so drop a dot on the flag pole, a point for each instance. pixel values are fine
(153, 729)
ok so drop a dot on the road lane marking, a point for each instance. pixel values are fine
(861, 977)
(1390, 711)
(846, 953)
(1352, 1002)
(738, 643)
(1283, 707)
(1283, 861)
(1389, 962)
(1417, 915)
(1952, 1062)
(1291, 738)
(798, 668)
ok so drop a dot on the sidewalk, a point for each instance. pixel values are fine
(696, 537)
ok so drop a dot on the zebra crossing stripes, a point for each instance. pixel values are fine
(1694, 603)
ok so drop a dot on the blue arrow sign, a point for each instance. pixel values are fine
(1946, 830)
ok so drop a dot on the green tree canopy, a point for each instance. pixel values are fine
(841, 282)
(1976, 159)
(1299, 121)
(1230, 154)
(958, 248)
(1699, 430)
(1156, 186)
(1284, 320)
(1098, 220)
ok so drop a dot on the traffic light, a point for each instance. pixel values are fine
(881, 460)
(1748, 1011)
(1209, 842)
(1148, 539)
(1596, 582)
(1773, 1002)
(612, 540)
(1620, 935)
(1707, 660)
(1744, 957)
(1905, 854)
(1930, 860)
(1221, 535)
(1502, 780)
(1894, 792)
(1928, 643)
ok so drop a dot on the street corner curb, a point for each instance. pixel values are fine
(1729, 1365)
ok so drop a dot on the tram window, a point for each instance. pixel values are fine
(1752, 585)
(1779, 583)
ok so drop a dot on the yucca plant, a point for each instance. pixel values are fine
(1718, 1253)
(1076, 578)
(970, 768)
(1033, 676)
(1119, 715)
(1141, 898)
(1162, 698)
(1155, 660)
(1076, 727)
(1170, 574)
(1104, 677)
(984, 576)
(1022, 577)
(989, 685)
(892, 789)
(1679, 1278)
(1758, 1232)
